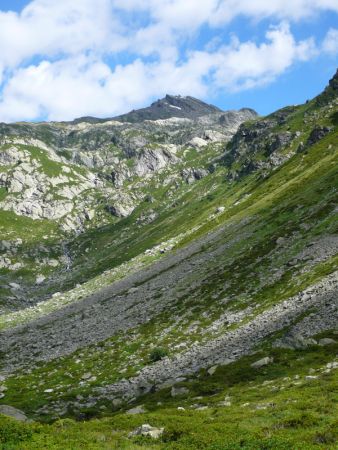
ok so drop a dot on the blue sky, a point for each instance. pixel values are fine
(61, 60)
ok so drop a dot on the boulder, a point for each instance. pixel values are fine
(326, 341)
(198, 142)
(147, 430)
(262, 362)
(137, 410)
(178, 391)
(220, 209)
(13, 412)
(212, 370)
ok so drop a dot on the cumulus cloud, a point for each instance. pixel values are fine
(60, 60)
(330, 43)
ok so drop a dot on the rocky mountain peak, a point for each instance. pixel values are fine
(171, 106)
(165, 108)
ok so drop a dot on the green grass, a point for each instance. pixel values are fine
(274, 407)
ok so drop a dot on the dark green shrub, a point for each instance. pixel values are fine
(157, 354)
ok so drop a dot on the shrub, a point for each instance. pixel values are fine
(13, 432)
(157, 354)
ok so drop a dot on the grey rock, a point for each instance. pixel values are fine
(262, 362)
(10, 411)
(326, 341)
(212, 370)
(137, 410)
(147, 430)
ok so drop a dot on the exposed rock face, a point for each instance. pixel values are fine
(34, 193)
(44, 181)
(260, 139)
(191, 175)
(317, 134)
(153, 160)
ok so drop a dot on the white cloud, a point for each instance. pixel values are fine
(247, 64)
(330, 43)
(83, 85)
(70, 42)
(183, 13)
(51, 28)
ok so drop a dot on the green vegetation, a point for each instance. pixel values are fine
(275, 407)
(157, 354)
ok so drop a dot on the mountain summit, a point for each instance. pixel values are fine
(165, 108)
(171, 106)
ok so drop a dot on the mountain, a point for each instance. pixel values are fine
(165, 108)
(173, 278)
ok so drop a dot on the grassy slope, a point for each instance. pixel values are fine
(275, 407)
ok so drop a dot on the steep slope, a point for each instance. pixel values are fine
(170, 306)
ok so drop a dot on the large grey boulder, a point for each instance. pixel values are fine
(9, 411)
(262, 362)
(326, 341)
(137, 410)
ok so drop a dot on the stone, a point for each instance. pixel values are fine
(202, 408)
(212, 370)
(262, 362)
(136, 410)
(220, 209)
(40, 279)
(198, 142)
(14, 413)
(326, 341)
(225, 402)
(147, 430)
(280, 241)
(178, 391)
(86, 376)
(117, 402)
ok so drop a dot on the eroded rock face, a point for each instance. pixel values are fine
(35, 194)
(317, 134)
(44, 181)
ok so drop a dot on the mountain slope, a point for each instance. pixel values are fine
(59, 180)
(169, 306)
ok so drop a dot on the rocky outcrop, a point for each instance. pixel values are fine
(317, 134)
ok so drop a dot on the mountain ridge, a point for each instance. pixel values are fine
(170, 106)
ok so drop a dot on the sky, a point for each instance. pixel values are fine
(65, 59)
